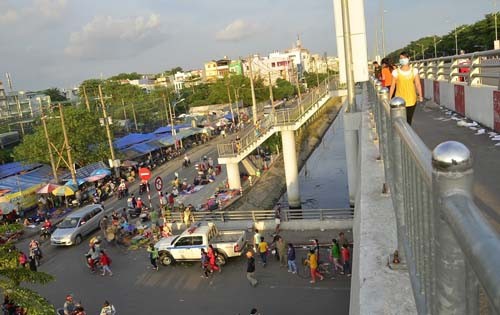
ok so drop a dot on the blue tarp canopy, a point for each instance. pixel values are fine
(229, 116)
(168, 128)
(79, 181)
(143, 147)
(85, 171)
(41, 175)
(166, 140)
(13, 168)
(132, 138)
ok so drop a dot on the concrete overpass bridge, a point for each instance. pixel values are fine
(286, 121)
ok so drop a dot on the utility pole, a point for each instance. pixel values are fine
(135, 117)
(348, 56)
(254, 102)
(496, 43)
(317, 73)
(125, 115)
(271, 96)
(86, 99)
(51, 157)
(165, 107)
(456, 40)
(68, 147)
(108, 133)
(230, 104)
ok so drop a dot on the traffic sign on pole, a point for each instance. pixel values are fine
(144, 173)
(158, 183)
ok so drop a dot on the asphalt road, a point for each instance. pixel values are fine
(134, 288)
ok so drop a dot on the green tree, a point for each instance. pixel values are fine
(86, 136)
(283, 89)
(125, 76)
(13, 276)
(55, 95)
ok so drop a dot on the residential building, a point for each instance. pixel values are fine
(3, 101)
(277, 64)
(236, 67)
(210, 71)
(300, 57)
(179, 79)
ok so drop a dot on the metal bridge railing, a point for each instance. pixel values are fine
(280, 117)
(475, 69)
(261, 215)
(449, 248)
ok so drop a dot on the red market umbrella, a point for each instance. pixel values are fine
(47, 189)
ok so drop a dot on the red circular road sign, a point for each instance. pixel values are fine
(158, 183)
(144, 173)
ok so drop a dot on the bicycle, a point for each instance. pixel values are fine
(304, 271)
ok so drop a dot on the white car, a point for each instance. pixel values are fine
(187, 246)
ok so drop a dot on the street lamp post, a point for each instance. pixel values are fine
(254, 102)
(435, 46)
(237, 100)
(496, 43)
(423, 50)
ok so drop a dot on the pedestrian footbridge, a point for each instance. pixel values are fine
(286, 121)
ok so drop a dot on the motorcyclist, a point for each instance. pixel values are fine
(93, 255)
(69, 305)
(47, 224)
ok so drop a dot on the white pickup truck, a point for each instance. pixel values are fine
(187, 246)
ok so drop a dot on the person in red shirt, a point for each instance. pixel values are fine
(105, 263)
(346, 258)
(47, 224)
(140, 204)
(212, 256)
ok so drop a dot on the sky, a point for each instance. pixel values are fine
(59, 43)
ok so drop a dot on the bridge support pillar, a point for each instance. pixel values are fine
(291, 169)
(233, 175)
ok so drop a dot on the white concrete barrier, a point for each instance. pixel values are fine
(479, 103)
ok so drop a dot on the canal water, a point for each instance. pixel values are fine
(323, 178)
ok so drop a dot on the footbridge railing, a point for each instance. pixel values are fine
(280, 117)
(450, 250)
(262, 215)
(478, 68)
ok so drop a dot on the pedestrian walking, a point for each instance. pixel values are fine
(292, 266)
(277, 217)
(251, 269)
(343, 240)
(212, 256)
(346, 259)
(263, 249)
(103, 225)
(205, 263)
(154, 217)
(406, 84)
(282, 251)
(386, 73)
(256, 240)
(105, 263)
(335, 256)
(108, 309)
(32, 264)
(316, 248)
(312, 260)
(153, 256)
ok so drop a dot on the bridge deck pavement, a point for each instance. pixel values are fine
(434, 125)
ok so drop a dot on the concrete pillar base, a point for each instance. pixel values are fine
(291, 169)
(233, 175)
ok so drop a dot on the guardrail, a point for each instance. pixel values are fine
(261, 215)
(280, 117)
(449, 248)
(479, 68)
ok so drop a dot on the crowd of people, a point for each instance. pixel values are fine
(338, 259)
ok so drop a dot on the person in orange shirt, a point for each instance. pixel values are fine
(386, 73)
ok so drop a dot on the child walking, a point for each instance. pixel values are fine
(105, 263)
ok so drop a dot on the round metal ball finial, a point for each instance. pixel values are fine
(451, 156)
(397, 102)
(383, 90)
